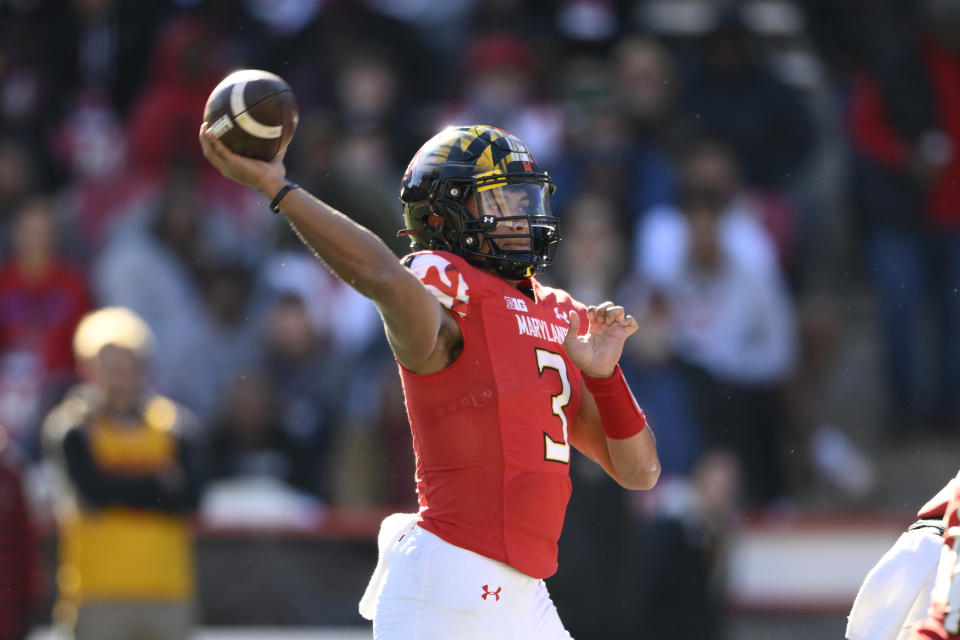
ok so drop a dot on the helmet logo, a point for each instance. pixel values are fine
(499, 174)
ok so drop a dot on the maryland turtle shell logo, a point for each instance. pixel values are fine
(467, 151)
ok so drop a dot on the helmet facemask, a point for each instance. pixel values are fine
(477, 192)
(510, 227)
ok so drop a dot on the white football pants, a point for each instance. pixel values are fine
(425, 588)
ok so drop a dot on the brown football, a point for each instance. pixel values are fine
(253, 112)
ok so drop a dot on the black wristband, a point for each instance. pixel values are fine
(275, 203)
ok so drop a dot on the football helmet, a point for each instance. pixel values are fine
(477, 191)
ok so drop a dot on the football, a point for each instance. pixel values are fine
(253, 112)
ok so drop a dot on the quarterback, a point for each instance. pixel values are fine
(501, 376)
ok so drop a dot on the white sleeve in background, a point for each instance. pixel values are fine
(661, 239)
(768, 352)
(896, 592)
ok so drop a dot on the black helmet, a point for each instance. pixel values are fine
(496, 171)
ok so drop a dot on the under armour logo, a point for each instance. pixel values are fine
(487, 592)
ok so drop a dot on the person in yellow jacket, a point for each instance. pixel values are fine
(130, 476)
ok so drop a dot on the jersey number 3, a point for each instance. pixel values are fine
(553, 450)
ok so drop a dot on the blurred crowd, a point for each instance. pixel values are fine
(736, 174)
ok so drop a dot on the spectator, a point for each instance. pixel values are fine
(101, 46)
(247, 439)
(131, 476)
(333, 417)
(42, 297)
(623, 134)
(734, 329)
(605, 154)
(596, 257)
(91, 146)
(187, 63)
(662, 237)
(309, 389)
(18, 559)
(735, 97)
(25, 85)
(260, 474)
(221, 341)
(647, 87)
(905, 132)
(368, 100)
(681, 551)
(294, 272)
(153, 264)
(19, 179)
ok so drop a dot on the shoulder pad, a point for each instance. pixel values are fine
(442, 278)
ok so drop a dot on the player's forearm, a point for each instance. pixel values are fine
(355, 254)
(627, 438)
(634, 459)
(411, 316)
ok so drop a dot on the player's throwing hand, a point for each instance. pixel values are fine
(247, 171)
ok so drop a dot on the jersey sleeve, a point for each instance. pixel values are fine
(444, 280)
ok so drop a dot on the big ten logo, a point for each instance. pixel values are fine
(515, 304)
(561, 316)
(477, 397)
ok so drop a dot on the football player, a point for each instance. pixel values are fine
(896, 594)
(501, 376)
(943, 618)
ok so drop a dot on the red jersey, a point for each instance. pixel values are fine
(490, 430)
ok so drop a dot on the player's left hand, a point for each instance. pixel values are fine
(597, 352)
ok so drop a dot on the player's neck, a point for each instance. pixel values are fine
(524, 286)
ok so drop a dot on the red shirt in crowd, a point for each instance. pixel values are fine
(39, 315)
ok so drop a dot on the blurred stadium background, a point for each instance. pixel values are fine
(805, 401)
